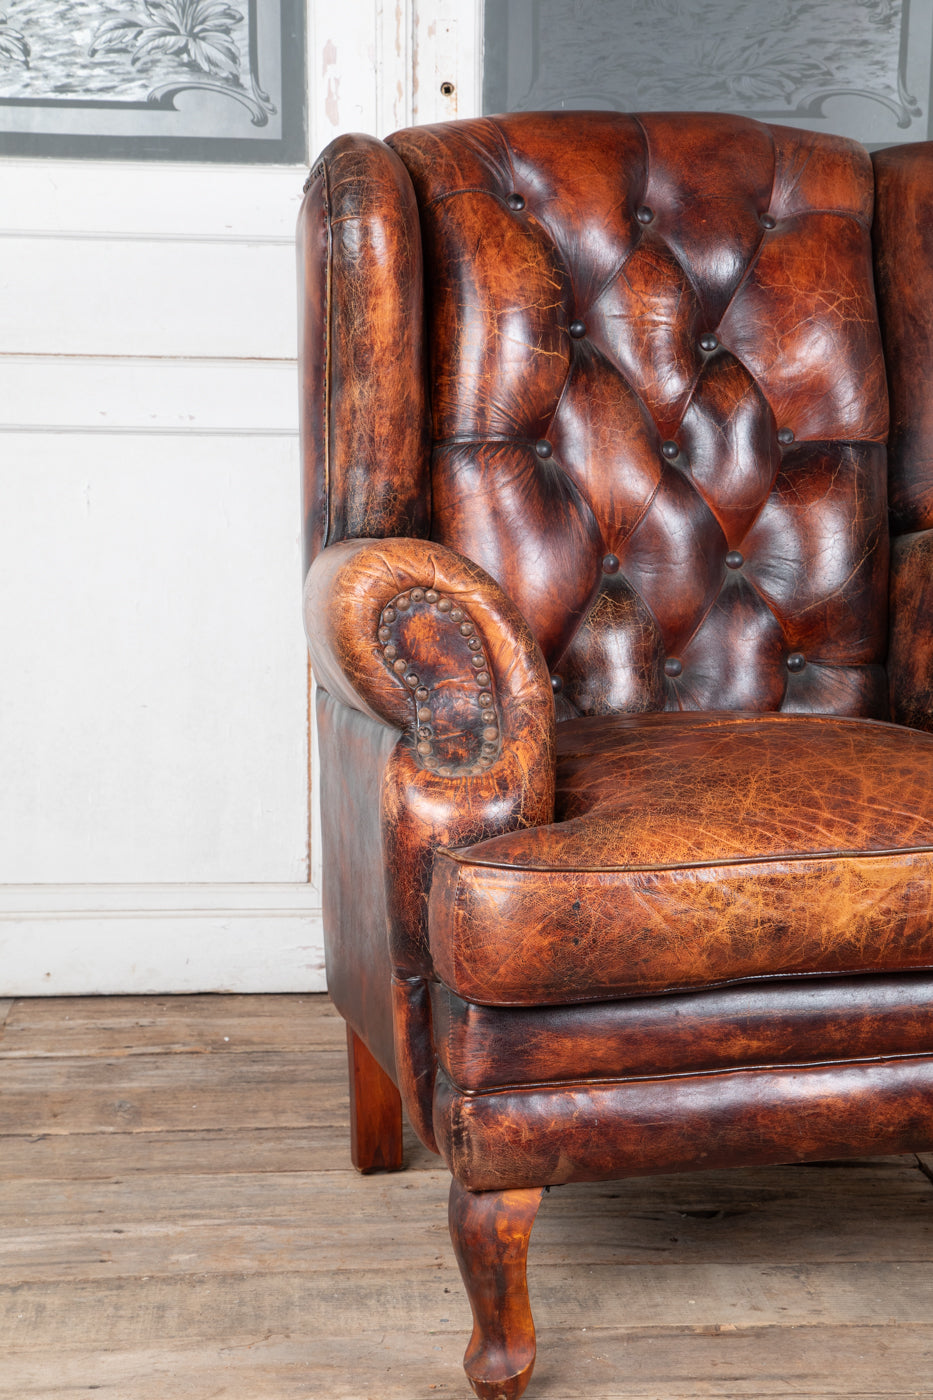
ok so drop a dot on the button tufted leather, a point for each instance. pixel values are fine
(719, 401)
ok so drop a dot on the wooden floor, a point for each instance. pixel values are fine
(179, 1220)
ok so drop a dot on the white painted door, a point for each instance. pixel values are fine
(157, 824)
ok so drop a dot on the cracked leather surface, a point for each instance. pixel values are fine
(696, 850)
(567, 326)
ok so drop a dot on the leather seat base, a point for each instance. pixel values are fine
(790, 1022)
(550, 1136)
(695, 851)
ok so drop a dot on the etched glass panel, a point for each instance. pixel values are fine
(168, 79)
(860, 68)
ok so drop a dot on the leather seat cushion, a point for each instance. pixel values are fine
(694, 851)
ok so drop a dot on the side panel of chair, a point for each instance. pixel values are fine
(903, 235)
(364, 414)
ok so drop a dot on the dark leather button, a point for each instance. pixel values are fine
(610, 564)
(673, 666)
(670, 450)
(557, 684)
(644, 215)
(515, 201)
(543, 449)
(785, 435)
(768, 221)
(796, 661)
(734, 559)
(577, 330)
(709, 342)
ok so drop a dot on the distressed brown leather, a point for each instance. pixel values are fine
(752, 1117)
(613, 390)
(903, 234)
(364, 420)
(791, 1022)
(568, 327)
(698, 850)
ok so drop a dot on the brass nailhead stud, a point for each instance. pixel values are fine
(417, 594)
(400, 666)
(734, 559)
(484, 698)
(577, 330)
(543, 449)
(482, 678)
(402, 601)
(709, 343)
(425, 732)
(669, 450)
(474, 644)
(768, 221)
(796, 661)
(444, 605)
(673, 666)
(478, 661)
(456, 614)
(515, 201)
(611, 564)
(421, 693)
(643, 214)
(384, 634)
(391, 652)
(389, 615)
(785, 435)
(488, 716)
(424, 713)
(424, 748)
(466, 629)
(557, 684)
(412, 680)
(491, 732)
(430, 596)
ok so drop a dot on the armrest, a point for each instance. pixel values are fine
(417, 636)
(910, 653)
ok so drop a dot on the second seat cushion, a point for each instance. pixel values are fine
(699, 850)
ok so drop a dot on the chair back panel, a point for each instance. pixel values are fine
(659, 401)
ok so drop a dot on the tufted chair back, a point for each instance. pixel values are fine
(655, 397)
(659, 403)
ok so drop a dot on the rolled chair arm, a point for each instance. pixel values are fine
(419, 637)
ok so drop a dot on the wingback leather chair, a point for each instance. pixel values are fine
(620, 606)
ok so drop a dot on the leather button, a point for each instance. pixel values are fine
(796, 661)
(785, 436)
(734, 559)
(673, 666)
(670, 450)
(643, 214)
(768, 221)
(610, 564)
(577, 330)
(709, 342)
(557, 684)
(543, 449)
(516, 202)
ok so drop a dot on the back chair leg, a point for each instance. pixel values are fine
(490, 1232)
(375, 1112)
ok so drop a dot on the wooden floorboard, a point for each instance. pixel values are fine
(179, 1221)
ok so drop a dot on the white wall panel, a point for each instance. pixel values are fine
(153, 687)
(100, 295)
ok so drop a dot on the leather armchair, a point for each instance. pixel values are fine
(620, 608)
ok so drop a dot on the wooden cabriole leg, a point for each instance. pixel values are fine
(375, 1112)
(490, 1232)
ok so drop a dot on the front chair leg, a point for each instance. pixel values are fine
(490, 1232)
(375, 1112)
